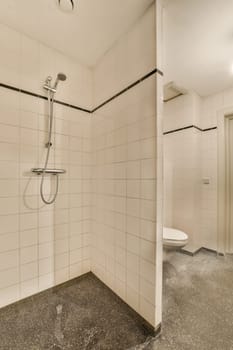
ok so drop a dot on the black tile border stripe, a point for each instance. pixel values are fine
(128, 88)
(189, 127)
(72, 106)
(26, 92)
(10, 87)
(212, 128)
(176, 130)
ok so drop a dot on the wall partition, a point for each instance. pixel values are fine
(126, 128)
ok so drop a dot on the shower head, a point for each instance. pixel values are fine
(61, 77)
(47, 85)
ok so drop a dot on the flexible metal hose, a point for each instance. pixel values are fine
(50, 102)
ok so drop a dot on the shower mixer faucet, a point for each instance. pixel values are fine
(45, 170)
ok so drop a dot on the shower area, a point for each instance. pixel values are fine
(80, 174)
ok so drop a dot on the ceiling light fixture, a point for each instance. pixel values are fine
(66, 5)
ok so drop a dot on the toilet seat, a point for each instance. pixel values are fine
(174, 238)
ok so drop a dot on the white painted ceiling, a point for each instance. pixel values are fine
(198, 44)
(86, 34)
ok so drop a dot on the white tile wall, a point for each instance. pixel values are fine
(124, 210)
(182, 111)
(127, 218)
(182, 173)
(39, 244)
(182, 168)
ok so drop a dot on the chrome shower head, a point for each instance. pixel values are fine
(61, 77)
(47, 85)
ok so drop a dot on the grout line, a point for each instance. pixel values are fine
(189, 127)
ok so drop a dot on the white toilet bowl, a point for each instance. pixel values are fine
(174, 239)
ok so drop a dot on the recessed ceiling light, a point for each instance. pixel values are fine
(66, 5)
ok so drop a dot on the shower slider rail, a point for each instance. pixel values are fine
(40, 171)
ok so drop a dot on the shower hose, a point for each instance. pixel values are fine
(49, 145)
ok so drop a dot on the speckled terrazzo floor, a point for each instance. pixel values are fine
(84, 315)
(198, 313)
(197, 304)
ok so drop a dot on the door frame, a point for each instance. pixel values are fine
(223, 236)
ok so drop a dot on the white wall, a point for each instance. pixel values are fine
(179, 113)
(127, 223)
(211, 105)
(182, 172)
(41, 246)
(182, 111)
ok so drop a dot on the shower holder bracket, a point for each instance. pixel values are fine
(48, 144)
(40, 171)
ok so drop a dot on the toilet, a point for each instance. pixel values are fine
(174, 239)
